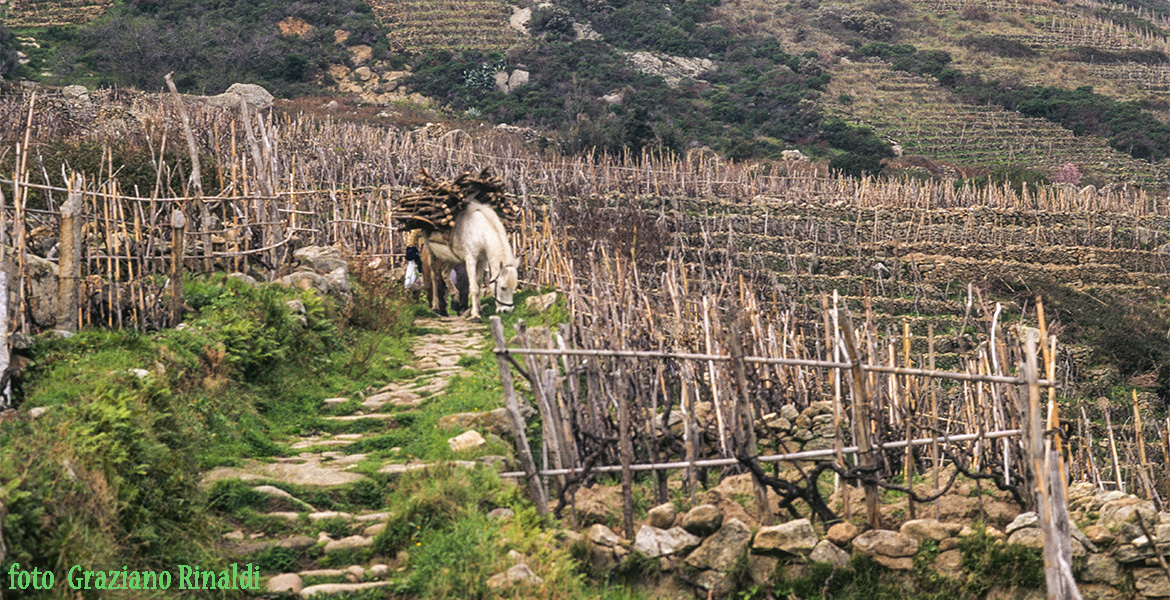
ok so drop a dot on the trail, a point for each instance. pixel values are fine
(319, 461)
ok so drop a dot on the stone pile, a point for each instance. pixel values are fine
(1115, 555)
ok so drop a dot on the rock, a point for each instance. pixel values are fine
(1128, 554)
(541, 303)
(37, 412)
(516, 557)
(468, 440)
(721, 551)
(828, 552)
(348, 543)
(673, 69)
(614, 98)
(1028, 519)
(501, 514)
(655, 542)
(779, 424)
(662, 516)
(496, 421)
(517, 575)
(234, 535)
(519, 19)
(793, 537)
(883, 542)
(601, 535)
(1099, 535)
(702, 520)
(762, 568)
(948, 544)
(330, 589)
(1151, 582)
(305, 280)
(379, 571)
(841, 533)
(1101, 568)
(789, 412)
(1100, 591)
(258, 98)
(329, 514)
(321, 259)
(793, 155)
(949, 564)
(361, 54)
(1028, 537)
(355, 573)
(518, 78)
(285, 582)
(338, 281)
(374, 530)
(1121, 517)
(42, 288)
(925, 529)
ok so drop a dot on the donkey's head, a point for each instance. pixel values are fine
(504, 287)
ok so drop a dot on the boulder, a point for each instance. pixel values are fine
(305, 280)
(841, 533)
(828, 552)
(501, 514)
(702, 520)
(601, 535)
(321, 259)
(662, 516)
(1028, 537)
(926, 530)
(541, 303)
(883, 542)
(468, 440)
(793, 537)
(721, 550)
(258, 98)
(655, 542)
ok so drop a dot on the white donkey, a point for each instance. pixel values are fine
(480, 242)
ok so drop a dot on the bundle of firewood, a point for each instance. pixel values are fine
(439, 202)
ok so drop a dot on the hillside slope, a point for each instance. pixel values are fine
(745, 78)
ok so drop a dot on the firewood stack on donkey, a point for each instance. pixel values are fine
(461, 222)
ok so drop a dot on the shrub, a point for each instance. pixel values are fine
(1067, 173)
(551, 19)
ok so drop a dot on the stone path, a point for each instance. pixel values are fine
(317, 460)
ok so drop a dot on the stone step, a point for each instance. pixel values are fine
(358, 417)
(329, 589)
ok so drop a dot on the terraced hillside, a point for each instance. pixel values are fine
(48, 13)
(1103, 277)
(419, 25)
(927, 120)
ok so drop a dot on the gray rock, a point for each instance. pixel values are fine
(258, 98)
(655, 542)
(793, 537)
(883, 542)
(762, 568)
(305, 280)
(1122, 516)
(789, 412)
(1101, 568)
(243, 278)
(1028, 537)
(348, 543)
(1028, 519)
(949, 564)
(285, 582)
(338, 280)
(925, 529)
(468, 440)
(702, 520)
(517, 575)
(379, 571)
(601, 535)
(721, 551)
(541, 303)
(330, 589)
(828, 552)
(496, 421)
(321, 259)
(501, 514)
(1151, 582)
(662, 516)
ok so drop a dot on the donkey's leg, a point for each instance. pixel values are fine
(472, 283)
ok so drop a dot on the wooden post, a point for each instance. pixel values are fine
(5, 393)
(534, 486)
(745, 435)
(626, 447)
(861, 425)
(196, 179)
(69, 267)
(178, 250)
